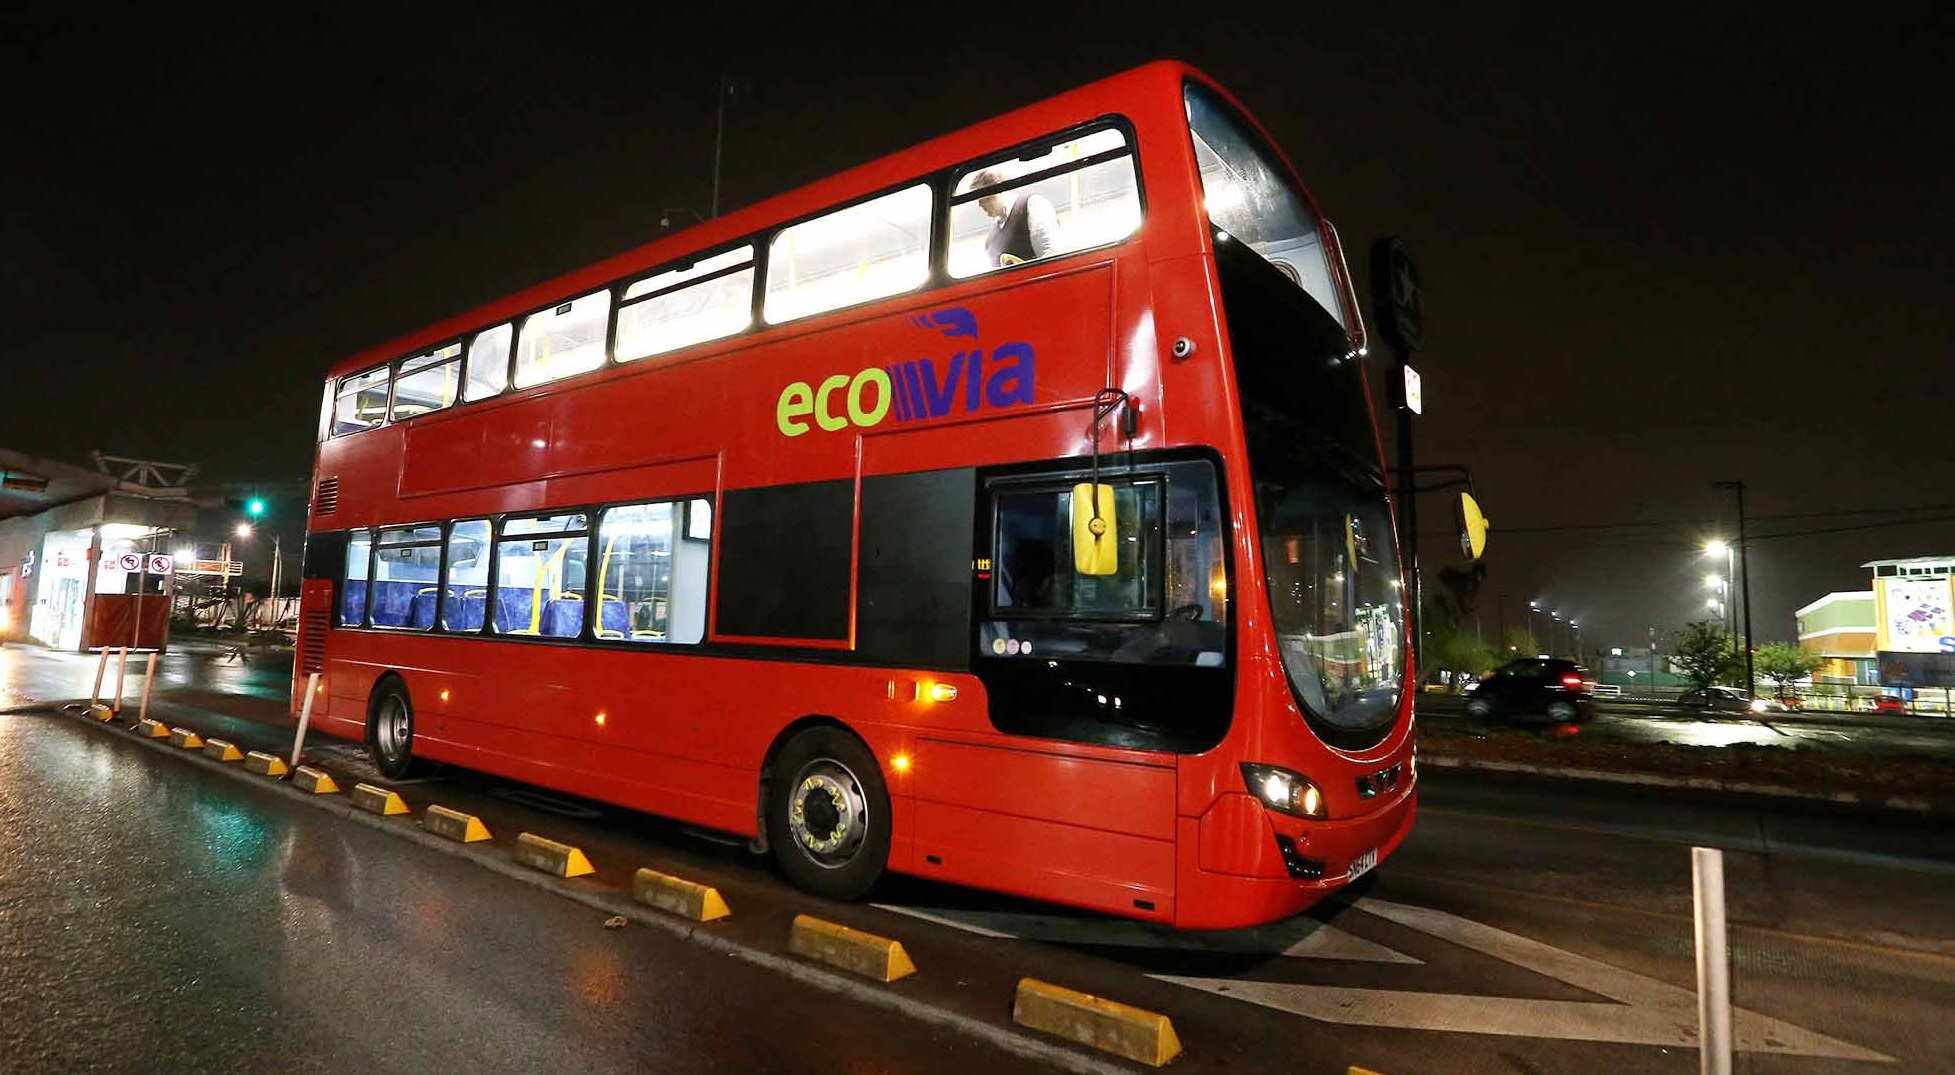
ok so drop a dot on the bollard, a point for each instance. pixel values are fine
(1713, 961)
(305, 716)
(149, 678)
(101, 669)
(121, 667)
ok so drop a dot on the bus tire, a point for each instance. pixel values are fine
(828, 814)
(390, 730)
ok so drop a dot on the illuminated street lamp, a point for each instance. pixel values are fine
(1715, 548)
(243, 530)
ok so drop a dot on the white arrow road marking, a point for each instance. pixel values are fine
(1302, 938)
(1646, 1012)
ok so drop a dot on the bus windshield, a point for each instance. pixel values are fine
(1248, 197)
(1326, 528)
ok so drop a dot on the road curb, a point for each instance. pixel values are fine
(1921, 807)
(614, 903)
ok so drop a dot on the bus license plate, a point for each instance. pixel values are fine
(1362, 865)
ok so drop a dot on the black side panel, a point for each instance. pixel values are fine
(784, 560)
(325, 555)
(914, 604)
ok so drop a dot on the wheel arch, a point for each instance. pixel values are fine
(765, 782)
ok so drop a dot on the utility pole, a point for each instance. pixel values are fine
(729, 92)
(1744, 577)
(278, 561)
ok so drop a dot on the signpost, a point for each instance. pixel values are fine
(1400, 309)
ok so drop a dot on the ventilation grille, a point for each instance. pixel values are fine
(325, 499)
(312, 639)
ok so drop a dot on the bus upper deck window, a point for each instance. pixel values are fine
(866, 251)
(563, 340)
(427, 382)
(488, 363)
(1054, 198)
(1249, 195)
(362, 402)
(706, 300)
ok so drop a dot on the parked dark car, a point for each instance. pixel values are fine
(1538, 687)
(1729, 700)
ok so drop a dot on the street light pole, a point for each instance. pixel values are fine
(1744, 578)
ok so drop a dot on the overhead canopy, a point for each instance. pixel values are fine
(29, 485)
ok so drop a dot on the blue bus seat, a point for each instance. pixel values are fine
(563, 617)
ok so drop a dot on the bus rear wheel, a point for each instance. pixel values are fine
(390, 730)
(828, 814)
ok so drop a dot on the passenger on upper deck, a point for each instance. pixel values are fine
(1027, 228)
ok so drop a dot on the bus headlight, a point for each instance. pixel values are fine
(1283, 790)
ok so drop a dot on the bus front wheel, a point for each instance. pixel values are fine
(828, 814)
(390, 730)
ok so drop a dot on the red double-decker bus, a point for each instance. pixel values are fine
(1007, 511)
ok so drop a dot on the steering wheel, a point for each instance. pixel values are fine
(1185, 613)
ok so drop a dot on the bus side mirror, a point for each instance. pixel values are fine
(1473, 527)
(1095, 547)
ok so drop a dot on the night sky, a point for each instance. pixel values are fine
(1658, 249)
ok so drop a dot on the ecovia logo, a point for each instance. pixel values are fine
(914, 390)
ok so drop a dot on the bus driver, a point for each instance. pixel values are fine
(1027, 228)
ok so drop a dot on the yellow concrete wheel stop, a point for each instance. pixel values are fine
(265, 764)
(185, 738)
(1107, 1025)
(850, 949)
(701, 903)
(377, 800)
(101, 712)
(551, 857)
(153, 729)
(222, 751)
(454, 825)
(315, 781)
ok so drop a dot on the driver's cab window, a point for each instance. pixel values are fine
(1167, 600)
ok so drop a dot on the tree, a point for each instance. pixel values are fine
(1450, 648)
(1783, 662)
(1703, 652)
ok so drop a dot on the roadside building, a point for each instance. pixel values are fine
(83, 557)
(1840, 628)
(1913, 622)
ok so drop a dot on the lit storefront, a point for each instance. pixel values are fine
(83, 555)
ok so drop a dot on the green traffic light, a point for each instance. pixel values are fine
(255, 506)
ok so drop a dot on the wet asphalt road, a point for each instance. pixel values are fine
(1845, 734)
(1843, 926)
(158, 918)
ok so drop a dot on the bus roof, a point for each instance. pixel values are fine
(1030, 121)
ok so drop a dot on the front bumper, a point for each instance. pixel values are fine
(1235, 872)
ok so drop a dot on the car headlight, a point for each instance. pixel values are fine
(1284, 790)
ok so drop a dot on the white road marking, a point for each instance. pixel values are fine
(1646, 1012)
(1301, 938)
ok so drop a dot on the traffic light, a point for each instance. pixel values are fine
(255, 506)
